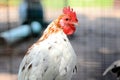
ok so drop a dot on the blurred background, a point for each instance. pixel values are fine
(96, 41)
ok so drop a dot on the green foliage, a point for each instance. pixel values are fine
(91, 3)
(10, 2)
(61, 3)
(53, 3)
(78, 3)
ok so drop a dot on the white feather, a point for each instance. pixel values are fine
(51, 59)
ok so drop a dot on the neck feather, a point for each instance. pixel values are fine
(52, 28)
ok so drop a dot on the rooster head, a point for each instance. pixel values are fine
(65, 22)
(68, 20)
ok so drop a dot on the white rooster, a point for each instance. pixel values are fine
(52, 56)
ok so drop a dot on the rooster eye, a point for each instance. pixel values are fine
(66, 19)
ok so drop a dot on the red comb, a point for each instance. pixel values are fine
(69, 11)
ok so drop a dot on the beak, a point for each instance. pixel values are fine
(76, 23)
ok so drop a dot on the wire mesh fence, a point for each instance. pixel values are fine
(96, 42)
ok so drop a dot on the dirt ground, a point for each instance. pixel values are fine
(96, 42)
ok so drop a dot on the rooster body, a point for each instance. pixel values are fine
(51, 57)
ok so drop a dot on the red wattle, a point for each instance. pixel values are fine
(69, 30)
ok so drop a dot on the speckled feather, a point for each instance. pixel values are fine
(50, 58)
